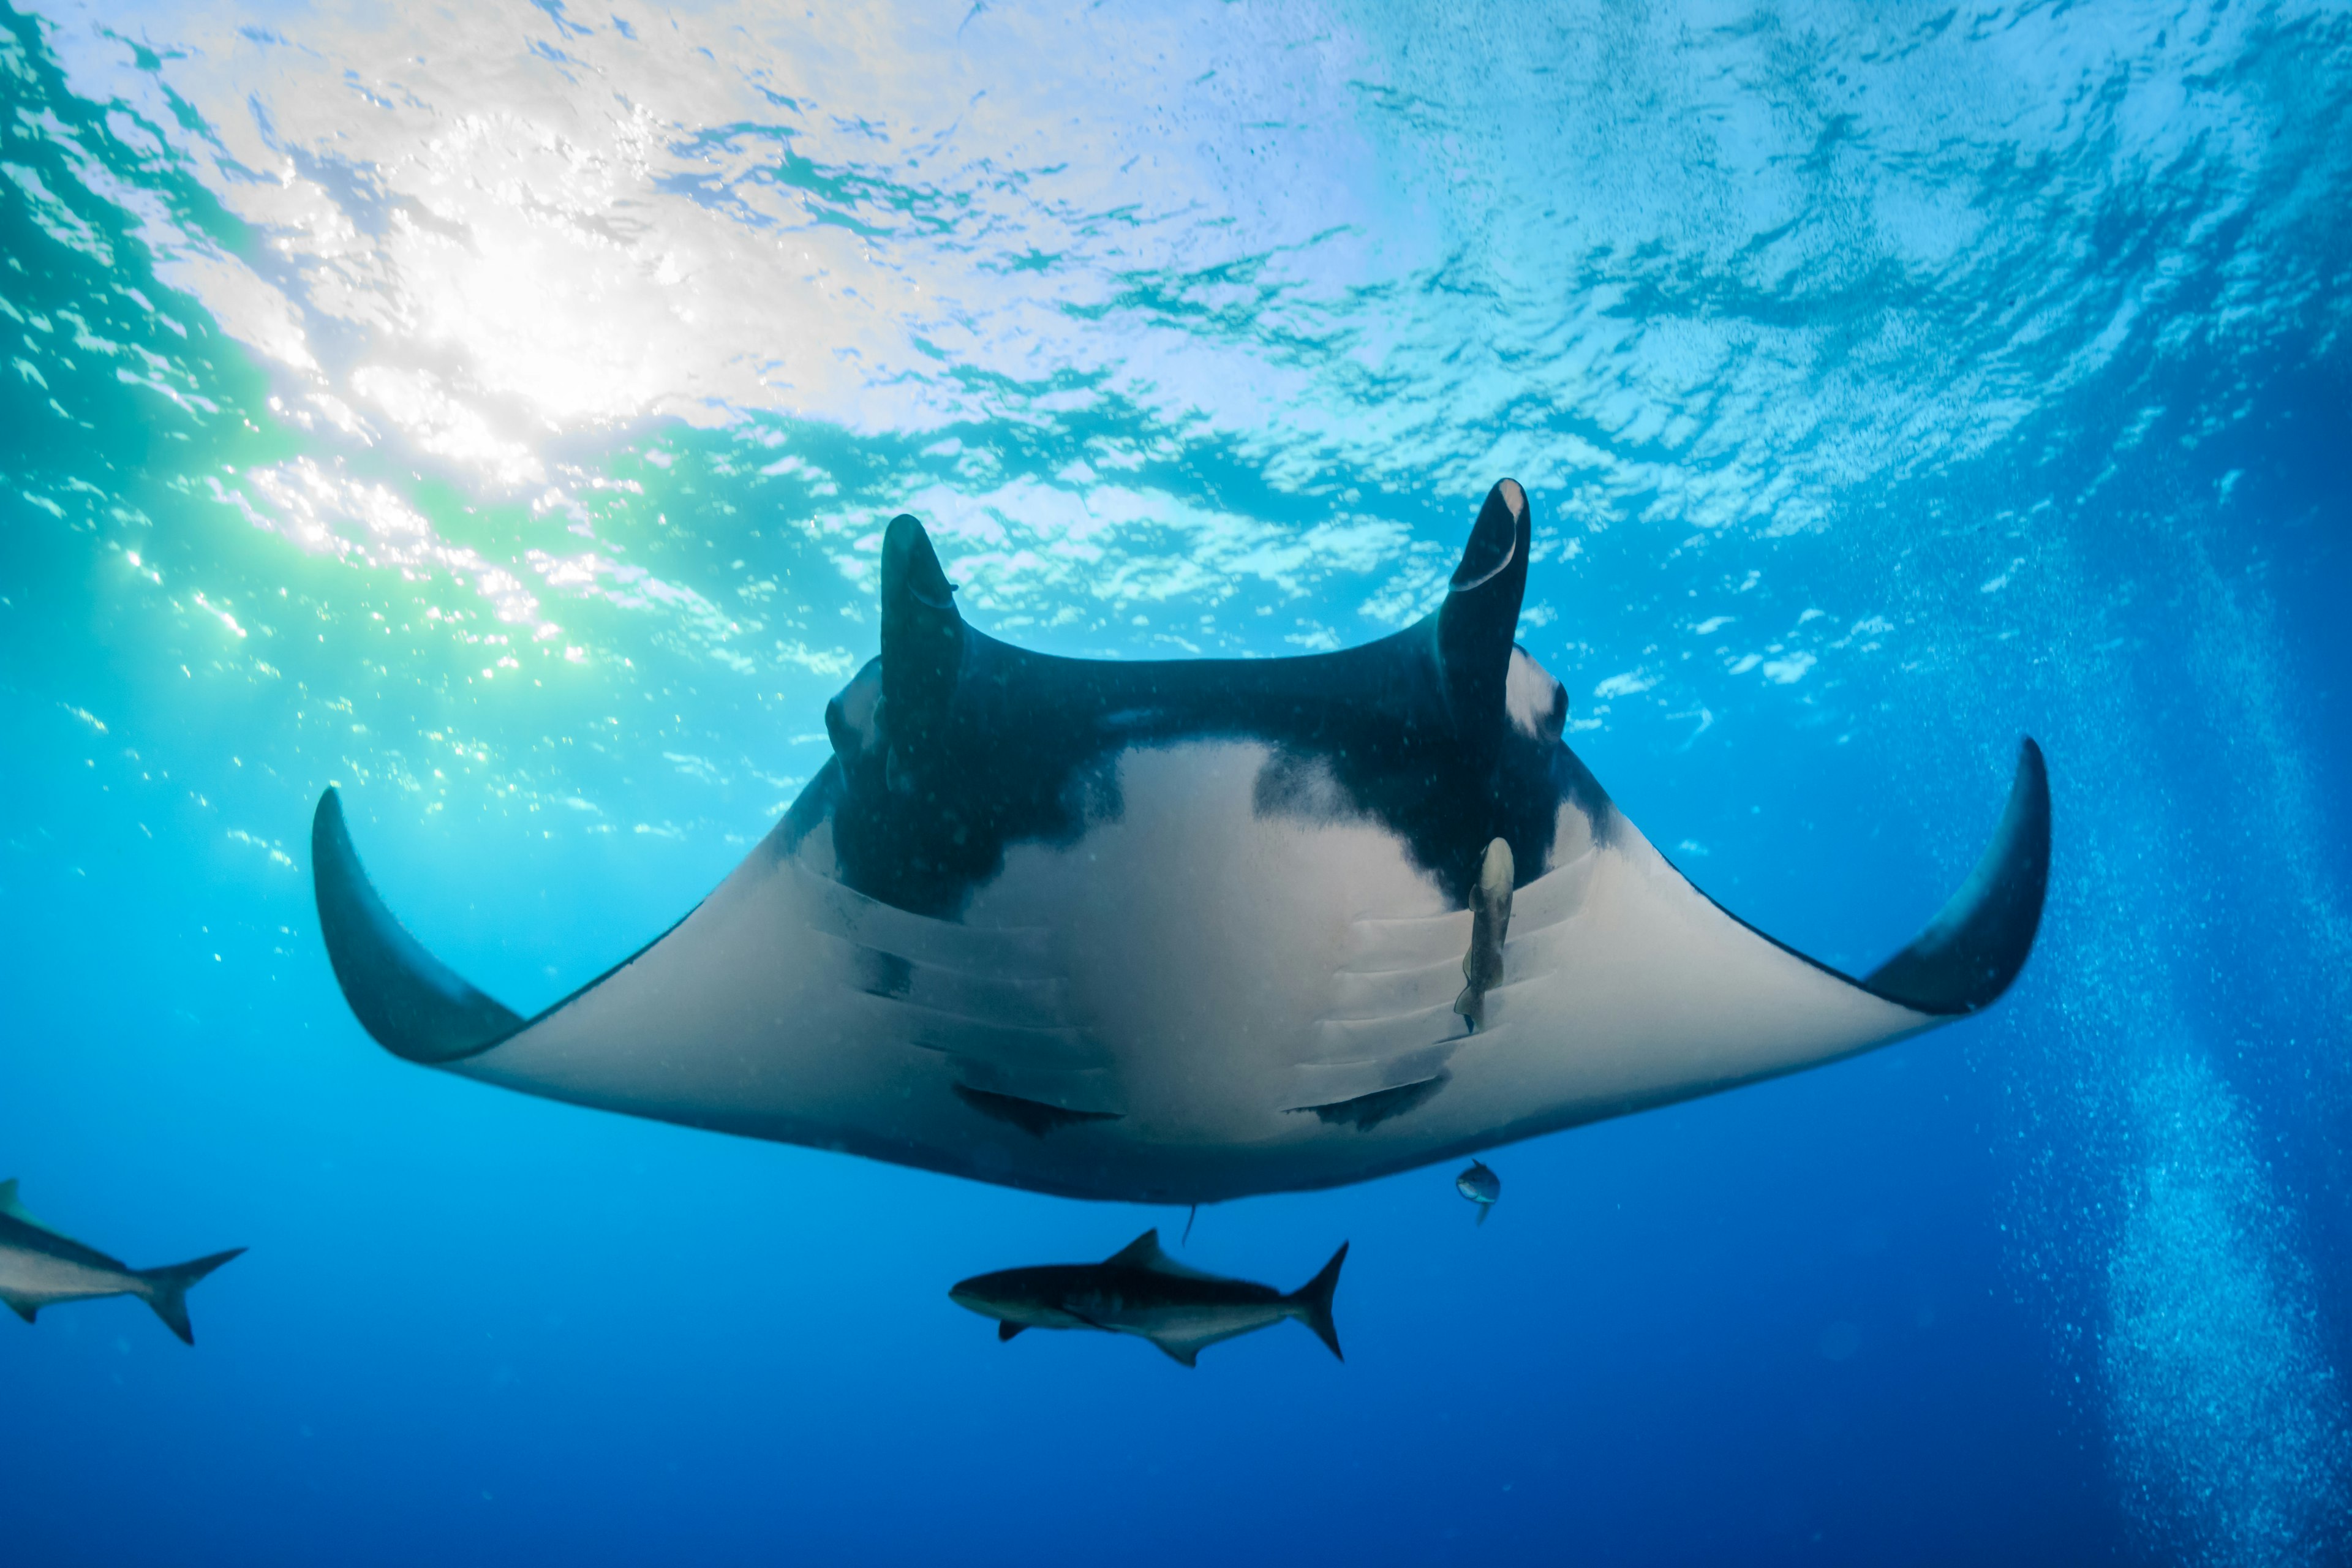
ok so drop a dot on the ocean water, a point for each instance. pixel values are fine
(493, 410)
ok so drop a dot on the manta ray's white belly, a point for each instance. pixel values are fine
(1195, 998)
(1205, 941)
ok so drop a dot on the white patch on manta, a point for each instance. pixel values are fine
(1536, 703)
(1201, 936)
(860, 702)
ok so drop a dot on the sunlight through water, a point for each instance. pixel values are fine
(495, 410)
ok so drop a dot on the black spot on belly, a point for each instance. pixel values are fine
(1367, 1111)
(1033, 1117)
(884, 973)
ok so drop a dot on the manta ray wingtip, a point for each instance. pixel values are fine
(411, 1003)
(1978, 944)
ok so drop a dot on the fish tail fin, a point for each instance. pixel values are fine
(1311, 1303)
(167, 1289)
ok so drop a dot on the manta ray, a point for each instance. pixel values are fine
(1189, 931)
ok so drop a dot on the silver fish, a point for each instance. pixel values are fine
(1481, 1186)
(1141, 1290)
(40, 1267)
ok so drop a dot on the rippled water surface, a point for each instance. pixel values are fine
(493, 409)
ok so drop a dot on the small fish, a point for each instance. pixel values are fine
(39, 1269)
(1481, 1186)
(1141, 1290)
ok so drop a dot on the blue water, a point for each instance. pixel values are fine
(494, 411)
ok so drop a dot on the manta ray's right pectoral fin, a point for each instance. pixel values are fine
(414, 1006)
(1979, 942)
(1666, 996)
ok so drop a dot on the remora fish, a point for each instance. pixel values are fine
(39, 1269)
(1481, 1186)
(1141, 1290)
(1183, 932)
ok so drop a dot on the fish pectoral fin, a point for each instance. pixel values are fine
(1183, 1353)
(21, 1306)
(1006, 1329)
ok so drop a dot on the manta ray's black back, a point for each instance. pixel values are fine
(952, 746)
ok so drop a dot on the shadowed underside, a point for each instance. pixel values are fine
(1183, 932)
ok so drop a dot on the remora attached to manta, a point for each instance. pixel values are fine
(1189, 931)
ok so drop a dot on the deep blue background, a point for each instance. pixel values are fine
(1913, 1308)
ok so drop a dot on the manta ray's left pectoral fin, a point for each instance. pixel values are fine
(414, 1006)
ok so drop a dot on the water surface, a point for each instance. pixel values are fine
(493, 409)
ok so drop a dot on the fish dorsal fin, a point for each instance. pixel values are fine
(14, 1210)
(1144, 1252)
